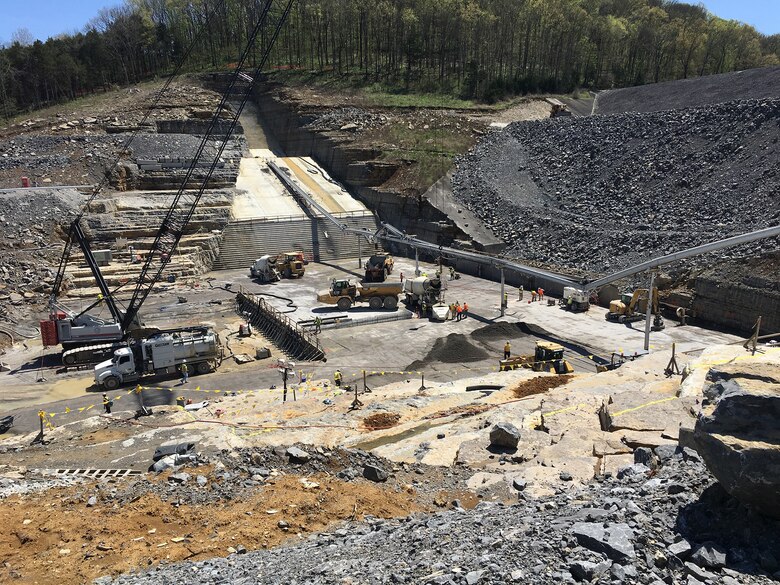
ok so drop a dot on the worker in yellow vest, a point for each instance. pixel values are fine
(507, 350)
(337, 378)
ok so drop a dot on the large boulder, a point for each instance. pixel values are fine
(738, 435)
(504, 435)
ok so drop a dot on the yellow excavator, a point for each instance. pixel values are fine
(548, 357)
(624, 310)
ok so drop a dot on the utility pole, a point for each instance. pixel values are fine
(649, 311)
(416, 262)
(503, 305)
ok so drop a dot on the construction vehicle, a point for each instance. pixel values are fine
(290, 264)
(422, 289)
(558, 109)
(378, 267)
(548, 357)
(265, 269)
(160, 354)
(86, 338)
(631, 308)
(426, 294)
(575, 300)
(344, 294)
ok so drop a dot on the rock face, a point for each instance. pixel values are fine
(739, 437)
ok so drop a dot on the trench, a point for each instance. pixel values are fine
(397, 437)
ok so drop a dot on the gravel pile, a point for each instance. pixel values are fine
(41, 156)
(664, 526)
(29, 254)
(605, 192)
(698, 91)
(347, 119)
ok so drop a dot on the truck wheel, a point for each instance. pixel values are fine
(375, 303)
(111, 383)
(202, 367)
(390, 302)
(343, 304)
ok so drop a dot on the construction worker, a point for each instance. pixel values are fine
(317, 324)
(452, 311)
(520, 293)
(533, 296)
(506, 299)
(465, 312)
(402, 277)
(458, 311)
(507, 350)
(452, 273)
(541, 294)
(185, 372)
(337, 378)
(107, 403)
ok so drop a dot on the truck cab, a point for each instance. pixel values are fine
(111, 373)
(340, 288)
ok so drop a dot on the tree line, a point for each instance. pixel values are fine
(476, 49)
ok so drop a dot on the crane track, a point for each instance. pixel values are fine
(89, 354)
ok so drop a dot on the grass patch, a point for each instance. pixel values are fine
(428, 152)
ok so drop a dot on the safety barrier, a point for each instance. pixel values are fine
(279, 329)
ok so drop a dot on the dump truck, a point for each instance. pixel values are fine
(378, 267)
(291, 264)
(575, 300)
(548, 357)
(344, 294)
(265, 270)
(161, 354)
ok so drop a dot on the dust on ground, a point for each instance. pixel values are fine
(381, 420)
(48, 539)
(538, 385)
(462, 411)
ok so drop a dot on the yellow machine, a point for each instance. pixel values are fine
(547, 358)
(344, 294)
(378, 267)
(290, 264)
(628, 310)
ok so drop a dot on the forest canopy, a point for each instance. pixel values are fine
(474, 49)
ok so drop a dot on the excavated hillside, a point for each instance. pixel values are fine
(605, 192)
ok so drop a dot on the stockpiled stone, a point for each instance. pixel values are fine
(626, 187)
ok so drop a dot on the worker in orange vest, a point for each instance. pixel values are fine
(465, 310)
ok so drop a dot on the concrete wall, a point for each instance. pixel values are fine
(736, 307)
